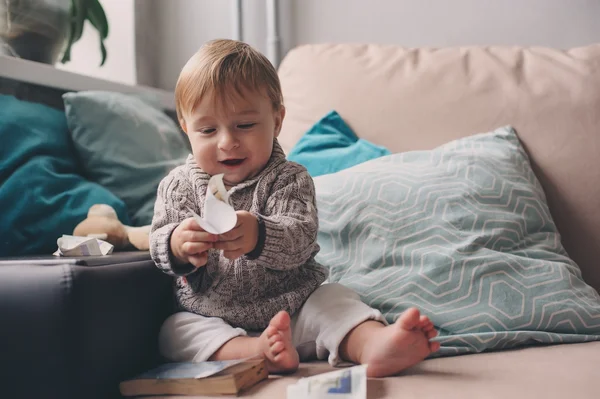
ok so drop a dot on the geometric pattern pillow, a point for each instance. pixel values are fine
(463, 232)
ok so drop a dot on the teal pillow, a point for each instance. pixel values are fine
(42, 194)
(462, 232)
(127, 144)
(330, 146)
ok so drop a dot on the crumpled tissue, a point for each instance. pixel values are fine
(82, 246)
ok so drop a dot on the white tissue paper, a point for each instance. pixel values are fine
(82, 246)
(349, 383)
(219, 216)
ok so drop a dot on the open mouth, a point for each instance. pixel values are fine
(233, 162)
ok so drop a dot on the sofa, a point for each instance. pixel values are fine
(411, 100)
(78, 331)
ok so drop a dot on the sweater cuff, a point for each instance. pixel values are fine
(162, 255)
(260, 243)
(273, 237)
(181, 269)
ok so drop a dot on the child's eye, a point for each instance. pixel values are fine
(207, 130)
(247, 126)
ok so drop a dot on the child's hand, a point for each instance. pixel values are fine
(190, 243)
(241, 239)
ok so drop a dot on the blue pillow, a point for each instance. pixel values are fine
(42, 195)
(464, 233)
(330, 146)
(127, 144)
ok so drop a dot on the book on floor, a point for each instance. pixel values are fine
(204, 378)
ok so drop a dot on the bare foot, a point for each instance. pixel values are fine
(276, 345)
(396, 347)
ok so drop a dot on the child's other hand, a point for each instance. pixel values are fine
(241, 239)
(190, 243)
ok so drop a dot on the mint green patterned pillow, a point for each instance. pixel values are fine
(462, 232)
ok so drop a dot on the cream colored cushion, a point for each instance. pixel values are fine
(409, 99)
(556, 372)
(564, 371)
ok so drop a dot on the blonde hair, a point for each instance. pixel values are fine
(220, 66)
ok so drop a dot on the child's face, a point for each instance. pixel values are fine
(234, 137)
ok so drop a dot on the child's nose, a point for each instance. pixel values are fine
(227, 141)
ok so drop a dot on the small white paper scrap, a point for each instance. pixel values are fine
(349, 383)
(82, 246)
(219, 216)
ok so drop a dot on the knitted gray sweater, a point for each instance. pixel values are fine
(246, 292)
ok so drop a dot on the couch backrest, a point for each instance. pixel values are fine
(409, 99)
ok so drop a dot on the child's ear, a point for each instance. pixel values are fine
(279, 117)
(183, 125)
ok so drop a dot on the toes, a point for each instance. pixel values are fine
(275, 338)
(281, 321)
(409, 320)
(434, 346)
(277, 348)
(271, 331)
(425, 326)
(424, 321)
(431, 334)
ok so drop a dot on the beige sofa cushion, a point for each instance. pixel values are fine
(563, 371)
(409, 99)
(555, 372)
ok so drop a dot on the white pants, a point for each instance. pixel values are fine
(318, 328)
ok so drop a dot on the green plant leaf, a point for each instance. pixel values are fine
(79, 10)
(97, 17)
(67, 53)
(103, 51)
(82, 10)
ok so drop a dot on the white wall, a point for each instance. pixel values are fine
(120, 46)
(557, 23)
(171, 31)
(183, 25)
